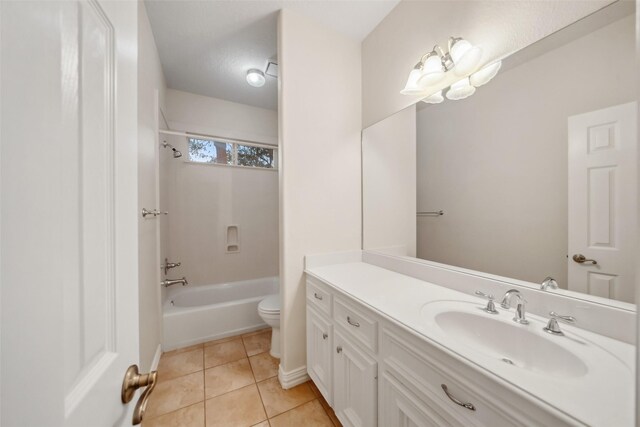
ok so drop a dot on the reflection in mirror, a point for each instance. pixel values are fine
(535, 174)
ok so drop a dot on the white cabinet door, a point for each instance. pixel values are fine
(319, 353)
(69, 211)
(354, 384)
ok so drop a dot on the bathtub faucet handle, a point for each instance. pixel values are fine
(169, 265)
(170, 282)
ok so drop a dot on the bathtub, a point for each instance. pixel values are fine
(195, 314)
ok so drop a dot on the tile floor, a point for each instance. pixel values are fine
(232, 382)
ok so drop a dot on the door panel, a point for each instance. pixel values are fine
(319, 352)
(603, 201)
(71, 138)
(355, 384)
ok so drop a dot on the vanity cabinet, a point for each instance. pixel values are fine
(373, 371)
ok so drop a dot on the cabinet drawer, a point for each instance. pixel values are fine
(420, 370)
(318, 296)
(363, 327)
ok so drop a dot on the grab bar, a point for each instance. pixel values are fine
(434, 213)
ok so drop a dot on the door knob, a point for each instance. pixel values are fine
(134, 380)
(581, 259)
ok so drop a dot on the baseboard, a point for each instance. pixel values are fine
(292, 378)
(156, 358)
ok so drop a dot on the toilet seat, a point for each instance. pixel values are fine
(270, 305)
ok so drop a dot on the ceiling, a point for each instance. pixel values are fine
(206, 47)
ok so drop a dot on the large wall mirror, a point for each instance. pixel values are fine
(533, 176)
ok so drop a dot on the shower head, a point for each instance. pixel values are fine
(176, 153)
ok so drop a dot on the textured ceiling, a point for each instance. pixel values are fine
(206, 47)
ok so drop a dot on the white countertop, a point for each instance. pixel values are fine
(603, 397)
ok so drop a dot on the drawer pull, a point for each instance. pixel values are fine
(456, 401)
(352, 323)
(317, 296)
(325, 336)
(339, 349)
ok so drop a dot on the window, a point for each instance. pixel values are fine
(208, 151)
(231, 153)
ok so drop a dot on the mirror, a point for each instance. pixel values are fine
(533, 176)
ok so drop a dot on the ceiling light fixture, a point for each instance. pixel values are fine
(461, 59)
(255, 77)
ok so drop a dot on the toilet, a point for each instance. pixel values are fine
(269, 310)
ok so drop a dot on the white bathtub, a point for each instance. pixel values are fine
(195, 314)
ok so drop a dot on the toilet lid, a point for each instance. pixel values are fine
(270, 304)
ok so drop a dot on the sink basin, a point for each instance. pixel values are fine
(511, 343)
(499, 338)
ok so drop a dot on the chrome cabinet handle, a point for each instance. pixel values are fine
(352, 323)
(317, 296)
(581, 259)
(456, 401)
(339, 349)
(325, 336)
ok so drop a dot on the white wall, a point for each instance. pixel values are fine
(151, 88)
(413, 27)
(217, 117)
(202, 200)
(320, 192)
(497, 161)
(389, 183)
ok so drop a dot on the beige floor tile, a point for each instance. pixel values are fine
(276, 400)
(225, 352)
(239, 408)
(259, 331)
(262, 424)
(259, 343)
(191, 416)
(329, 410)
(178, 364)
(264, 366)
(175, 394)
(310, 414)
(221, 340)
(228, 377)
(182, 350)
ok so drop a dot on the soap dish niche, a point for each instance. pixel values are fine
(232, 241)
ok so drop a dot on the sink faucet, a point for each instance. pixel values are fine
(520, 316)
(549, 283)
(169, 282)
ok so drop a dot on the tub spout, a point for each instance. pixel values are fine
(169, 282)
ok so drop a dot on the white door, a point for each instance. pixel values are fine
(69, 211)
(603, 202)
(354, 384)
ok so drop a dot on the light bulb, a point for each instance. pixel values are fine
(485, 75)
(255, 78)
(436, 98)
(460, 90)
(432, 72)
(465, 56)
(411, 88)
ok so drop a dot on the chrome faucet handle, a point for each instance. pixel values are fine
(549, 283)
(553, 327)
(491, 307)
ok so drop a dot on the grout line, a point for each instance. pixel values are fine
(175, 410)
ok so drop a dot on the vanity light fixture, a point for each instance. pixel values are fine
(462, 59)
(255, 77)
(460, 90)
